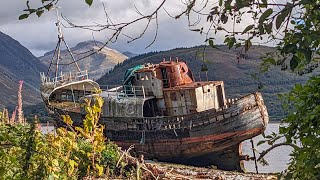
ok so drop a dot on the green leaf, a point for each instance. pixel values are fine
(261, 29)
(2, 171)
(230, 41)
(48, 6)
(39, 13)
(307, 54)
(247, 45)
(268, 28)
(268, 137)
(23, 16)
(261, 142)
(264, 4)
(248, 28)
(282, 16)
(270, 60)
(89, 2)
(294, 62)
(211, 43)
(227, 4)
(204, 67)
(279, 20)
(290, 48)
(265, 15)
(224, 18)
(220, 2)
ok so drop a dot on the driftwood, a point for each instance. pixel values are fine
(149, 171)
(159, 170)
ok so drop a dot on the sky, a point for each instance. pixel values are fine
(39, 35)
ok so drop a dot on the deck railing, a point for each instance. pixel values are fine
(123, 90)
(64, 77)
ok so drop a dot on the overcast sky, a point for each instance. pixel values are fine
(39, 35)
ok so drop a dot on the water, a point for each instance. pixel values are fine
(278, 158)
(46, 128)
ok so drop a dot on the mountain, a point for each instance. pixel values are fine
(129, 54)
(96, 64)
(222, 64)
(18, 63)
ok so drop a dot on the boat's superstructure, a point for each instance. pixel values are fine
(164, 89)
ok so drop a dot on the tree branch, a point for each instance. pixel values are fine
(275, 146)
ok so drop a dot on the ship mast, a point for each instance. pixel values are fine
(57, 51)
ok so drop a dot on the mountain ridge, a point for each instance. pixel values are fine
(103, 60)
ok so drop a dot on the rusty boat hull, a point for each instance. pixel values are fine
(211, 137)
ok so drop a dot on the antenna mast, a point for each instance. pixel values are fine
(57, 50)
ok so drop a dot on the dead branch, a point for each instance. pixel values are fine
(117, 28)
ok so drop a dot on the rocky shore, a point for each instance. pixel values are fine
(183, 172)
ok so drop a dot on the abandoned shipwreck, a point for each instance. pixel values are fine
(162, 111)
(165, 114)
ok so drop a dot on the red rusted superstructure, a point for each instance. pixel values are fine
(167, 115)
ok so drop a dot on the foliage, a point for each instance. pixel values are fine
(12, 138)
(301, 130)
(293, 24)
(303, 127)
(26, 153)
(46, 5)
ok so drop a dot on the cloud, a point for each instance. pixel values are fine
(40, 34)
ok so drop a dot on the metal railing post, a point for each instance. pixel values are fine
(144, 96)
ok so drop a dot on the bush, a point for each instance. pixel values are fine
(67, 153)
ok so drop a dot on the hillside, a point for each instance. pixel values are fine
(97, 64)
(223, 65)
(129, 54)
(18, 63)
